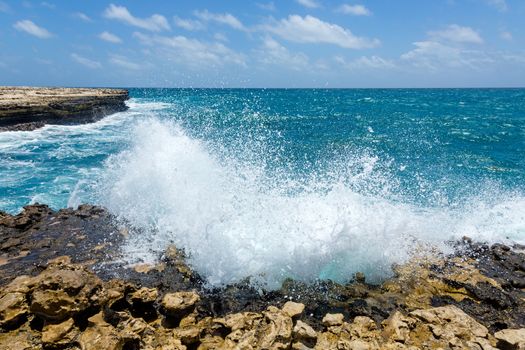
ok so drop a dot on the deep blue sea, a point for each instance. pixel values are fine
(313, 183)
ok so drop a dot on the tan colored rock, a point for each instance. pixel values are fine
(59, 334)
(447, 322)
(243, 320)
(277, 333)
(303, 332)
(330, 320)
(13, 307)
(397, 327)
(144, 295)
(293, 309)
(16, 340)
(179, 304)
(362, 327)
(54, 305)
(100, 335)
(511, 339)
(21, 284)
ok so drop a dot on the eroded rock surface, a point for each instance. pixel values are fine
(28, 108)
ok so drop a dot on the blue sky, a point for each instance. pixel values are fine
(243, 43)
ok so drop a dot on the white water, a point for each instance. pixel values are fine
(237, 219)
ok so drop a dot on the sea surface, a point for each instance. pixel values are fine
(270, 184)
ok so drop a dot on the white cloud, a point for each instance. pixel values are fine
(82, 16)
(85, 61)
(310, 29)
(311, 4)
(356, 10)
(365, 62)
(193, 53)
(222, 18)
(31, 28)
(109, 37)
(269, 6)
(124, 62)
(155, 23)
(188, 24)
(505, 35)
(434, 55)
(459, 34)
(500, 5)
(274, 53)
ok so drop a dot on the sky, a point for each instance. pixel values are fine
(260, 43)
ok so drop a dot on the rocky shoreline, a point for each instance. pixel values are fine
(61, 287)
(29, 108)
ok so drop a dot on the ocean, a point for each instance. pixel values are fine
(287, 183)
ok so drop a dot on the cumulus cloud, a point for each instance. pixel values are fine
(124, 62)
(110, 38)
(311, 4)
(85, 61)
(193, 53)
(82, 16)
(31, 28)
(222, 18)
(155, 23)
(310, 29)
(188, 24)
(434, 55)
(355, 10)
(274, 53)
(456, 33)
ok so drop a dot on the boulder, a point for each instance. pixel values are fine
(13, 308)
(511, 339)
(333, 320)
(179, 304)
(293, 309)
(58, 335)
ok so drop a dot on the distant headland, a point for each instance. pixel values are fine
(28, 108)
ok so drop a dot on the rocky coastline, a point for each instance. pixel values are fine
(29, 108)
(61, 287)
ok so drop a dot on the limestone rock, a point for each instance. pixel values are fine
(302, 331)
(179, 304)
(100, 335)
(13, 307)
(293, 309)
(61, 334)
(511, 339)
(333, 320)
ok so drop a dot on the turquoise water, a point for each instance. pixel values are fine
(288, 183)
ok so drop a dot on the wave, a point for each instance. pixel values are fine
(237, 219)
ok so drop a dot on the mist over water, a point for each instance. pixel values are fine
(271, 184)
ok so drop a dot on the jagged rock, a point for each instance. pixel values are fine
(293, 309)
(54, 335)
(100, 335)
(397, 327)
(333, 320)
(303, 331)
(179, 304)
(144, 295)
(511, 339)
(277, 333)
(19, 340)
(13, 307)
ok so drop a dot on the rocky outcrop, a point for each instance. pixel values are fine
(472, 299)
(28, 108)
(68, 307)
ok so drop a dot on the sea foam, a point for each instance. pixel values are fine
(237, 219)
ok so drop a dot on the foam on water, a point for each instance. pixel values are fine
(238, 219)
